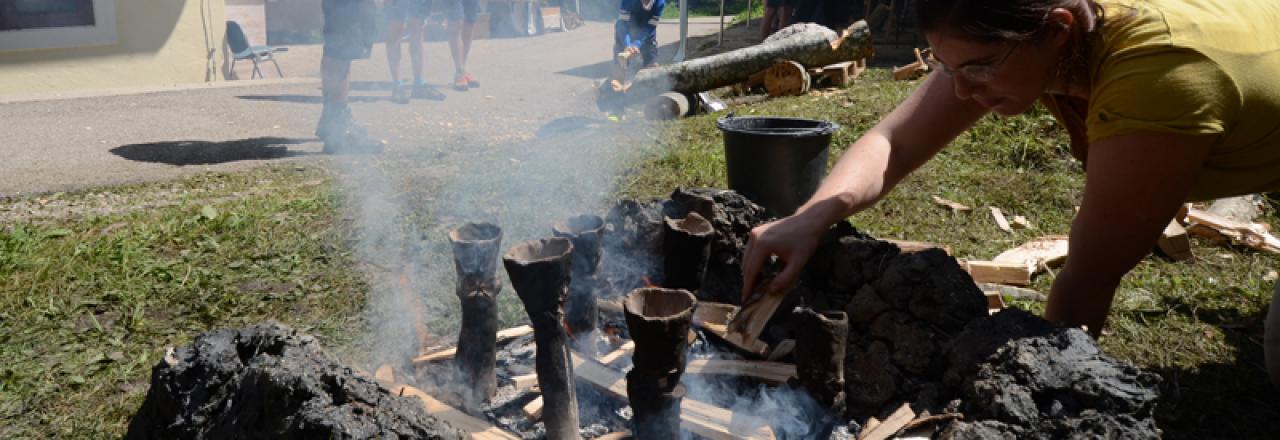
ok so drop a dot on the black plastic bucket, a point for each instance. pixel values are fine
(776, 162)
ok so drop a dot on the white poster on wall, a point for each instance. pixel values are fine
(46, 24)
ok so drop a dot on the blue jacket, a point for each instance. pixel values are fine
(631, 15)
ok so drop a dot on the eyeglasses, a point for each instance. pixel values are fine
(978, 73)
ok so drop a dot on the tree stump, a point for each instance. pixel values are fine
(786, 78)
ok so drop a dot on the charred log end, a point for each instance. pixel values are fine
(686, 249)
(659, 321)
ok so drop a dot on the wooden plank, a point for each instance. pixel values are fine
(774, 372)
(448, 353)
(995, 302)
(871, 424)
(622, 435)
(911, 247)
(782, 349)
(1000, 273)
(1251, 235)
(1174, 242)
(1039, 254)
(699, 418)
(476, 428)
(533, 409)
(614, 356)
(891, 424)
(1001, 222)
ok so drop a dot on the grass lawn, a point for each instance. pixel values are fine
(95, 285)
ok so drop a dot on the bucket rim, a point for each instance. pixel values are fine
(823, 128)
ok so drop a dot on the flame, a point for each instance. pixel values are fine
(647, 281)
(415, 305)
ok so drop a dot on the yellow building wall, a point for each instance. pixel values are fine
(158, 43)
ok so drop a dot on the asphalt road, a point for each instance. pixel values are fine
(121, 137)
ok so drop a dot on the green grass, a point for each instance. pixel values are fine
(706, 8)
(89, 304)
(1198, 324)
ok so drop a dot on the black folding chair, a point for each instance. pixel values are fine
(241, 50)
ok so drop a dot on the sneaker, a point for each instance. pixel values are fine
(400, 92)
(471, 82)
(423, 91)
(460, 83)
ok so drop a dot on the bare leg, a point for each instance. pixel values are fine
(766, 24)
(395, 29)
(467, 30)
(456, 47)
(786, 15)
(415, 48)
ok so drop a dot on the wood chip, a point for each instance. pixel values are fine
(1020, 222)
(1000, 220)
(385, 374)
(1175, 243)
(1039, 254)
(1251, 235)
(953, 206)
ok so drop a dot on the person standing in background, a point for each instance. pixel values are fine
(462, 24)
(411, 14)
(349, 27)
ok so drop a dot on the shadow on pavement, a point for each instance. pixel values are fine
(182, 153)
(310, 99)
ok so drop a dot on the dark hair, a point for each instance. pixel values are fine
(993, 21)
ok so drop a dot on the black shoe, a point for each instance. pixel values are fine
(424, 91)
(400, 93)
(337, 120)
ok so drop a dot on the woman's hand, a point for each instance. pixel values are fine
(792, 239)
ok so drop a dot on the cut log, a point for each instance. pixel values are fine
(1000, 220)
(786, 78)
(891, 425)
(700, 418)
(1039, 254)
(911, 247)
(1174, 243)
(750, 321)
(445, 354)
(1250, 235)
(478, 429)
(1017, 274)
(667, 106)
(816, 46)
(953, 206)
(772, 372)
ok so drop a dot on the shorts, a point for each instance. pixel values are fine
(350, 27)
(405, 10)
(463, 10)
(782, 3)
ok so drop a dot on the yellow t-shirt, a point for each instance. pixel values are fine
(1206, 67)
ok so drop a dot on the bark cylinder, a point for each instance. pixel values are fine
(540, 273)
(658, 320)
(686, 246)
(584, 231)
(821, 339)
(475, 260)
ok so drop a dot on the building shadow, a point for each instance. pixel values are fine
(182, 153)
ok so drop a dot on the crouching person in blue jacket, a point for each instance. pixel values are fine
(636, 32)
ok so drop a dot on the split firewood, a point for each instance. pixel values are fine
(477, 428)
(891, 425)
(929, 420)
(807, 44)
(1250, 235)
(871, 424)
(1174, 243)
(750, 321)
(1039, 254)
(772, 372)
(533, 409)
(623, 435)
(781, 350)
(614, 356)
(1020, 222)
(786, 78)
(1000, 220)
(714, 318)
(445, 354)
(700, 418)
(995, 302)
(953, 206)
(525, 381)
(1013, 292)
(911, 247)
(1018, 274)
(913, 70)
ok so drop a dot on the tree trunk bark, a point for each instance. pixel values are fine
(807, 44)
